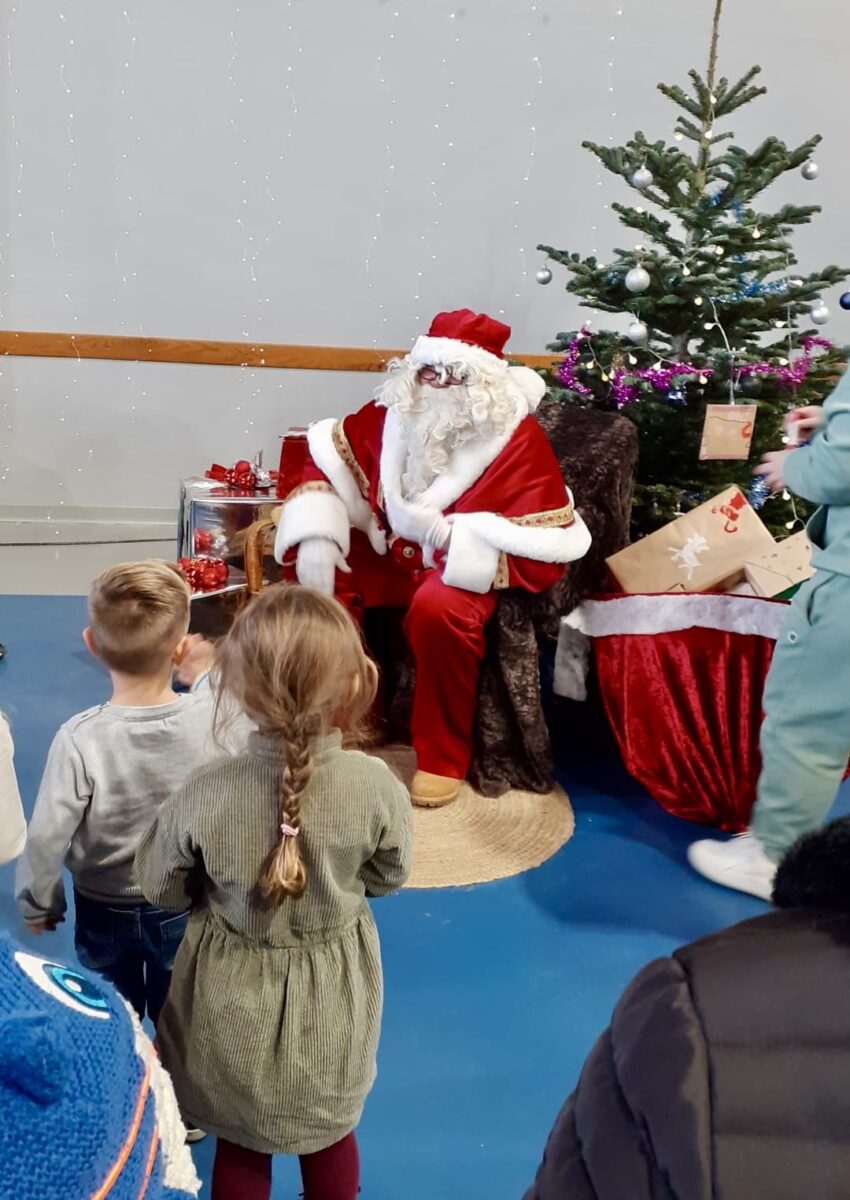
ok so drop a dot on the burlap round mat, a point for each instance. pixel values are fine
(476, 839)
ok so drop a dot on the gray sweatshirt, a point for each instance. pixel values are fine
(108, 771)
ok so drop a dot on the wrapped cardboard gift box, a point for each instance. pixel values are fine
(706, 549)
(778, 573)
(213, 519)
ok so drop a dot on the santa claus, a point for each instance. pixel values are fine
(435, 496)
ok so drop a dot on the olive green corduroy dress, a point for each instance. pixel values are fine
(271, 1025)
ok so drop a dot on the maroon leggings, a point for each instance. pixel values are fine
(331, 1174)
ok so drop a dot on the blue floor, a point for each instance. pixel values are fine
(495, 993)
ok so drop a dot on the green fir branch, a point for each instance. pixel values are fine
(729, 99)
(679, 96)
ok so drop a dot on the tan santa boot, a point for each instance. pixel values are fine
(433, 791)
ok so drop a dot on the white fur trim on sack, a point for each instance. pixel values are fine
(572, 663)
(323, 451)
(309, 515)
(479, 538)
(648, 615)
(750, 615)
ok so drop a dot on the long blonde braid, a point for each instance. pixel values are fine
(285, 874)
(294, 662)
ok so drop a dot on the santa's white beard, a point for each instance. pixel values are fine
(436, 422)
(438, 425)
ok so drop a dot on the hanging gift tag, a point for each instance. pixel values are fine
(728, 431)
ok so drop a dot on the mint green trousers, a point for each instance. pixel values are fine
(805, 739)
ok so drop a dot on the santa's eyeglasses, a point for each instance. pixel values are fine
(439, 377)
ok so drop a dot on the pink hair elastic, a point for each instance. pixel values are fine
(288, 830)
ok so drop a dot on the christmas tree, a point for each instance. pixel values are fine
(718, 312)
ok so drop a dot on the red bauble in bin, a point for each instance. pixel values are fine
(205, 574)
(293, 456)
(203, 541)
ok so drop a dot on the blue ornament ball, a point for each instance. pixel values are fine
(676, 395)
(845, 300)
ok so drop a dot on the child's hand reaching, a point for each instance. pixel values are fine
(772, 469)
(803, 422)
(47, 925)
(197, 656)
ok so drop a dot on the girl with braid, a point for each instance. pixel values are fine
(271, 1025)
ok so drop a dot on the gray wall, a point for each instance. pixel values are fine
(327, 173)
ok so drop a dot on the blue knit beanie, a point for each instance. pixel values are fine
(86, 1110)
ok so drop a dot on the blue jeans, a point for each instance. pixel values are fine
(131, 945)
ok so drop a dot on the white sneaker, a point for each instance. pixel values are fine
(740, 863)
(193, 1134)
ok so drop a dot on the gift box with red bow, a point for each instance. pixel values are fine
(215, 511)
(244, 476)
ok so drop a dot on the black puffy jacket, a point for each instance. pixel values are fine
(725, 1074)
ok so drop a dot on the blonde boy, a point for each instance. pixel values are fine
(107, 774)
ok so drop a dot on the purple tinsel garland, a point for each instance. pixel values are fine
(795, 373)
(661, 375)
(567, 369)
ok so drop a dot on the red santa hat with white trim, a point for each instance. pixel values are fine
(472, 344)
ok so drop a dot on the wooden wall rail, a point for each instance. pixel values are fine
(220, 354)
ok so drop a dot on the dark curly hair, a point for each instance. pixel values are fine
(815, 873)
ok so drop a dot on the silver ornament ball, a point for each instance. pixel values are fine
(642, 179)
(544, 275)
(638, 279)
(820, 314)
(637, 332)
(810, 170)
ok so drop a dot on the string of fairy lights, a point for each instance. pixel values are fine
(434, 183)
(616, 14)
(246, 380)
(7, 426)
(531, 105)
(442, 149)
(391, 105)
(295, 53)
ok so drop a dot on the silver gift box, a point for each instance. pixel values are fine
(225, 514)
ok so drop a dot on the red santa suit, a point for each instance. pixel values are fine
(512, 521)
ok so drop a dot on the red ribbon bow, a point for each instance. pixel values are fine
(242, 475)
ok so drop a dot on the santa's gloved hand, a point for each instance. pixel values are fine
(424, 523)
(437, 538)
(317, 563)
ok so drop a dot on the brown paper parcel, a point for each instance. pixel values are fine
(703, 550)
(727, 432)
(788, 564)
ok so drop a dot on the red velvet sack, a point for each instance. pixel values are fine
(682, 678)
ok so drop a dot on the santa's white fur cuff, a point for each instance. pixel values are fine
(310, 515)
(479, 538)
(326, 456)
